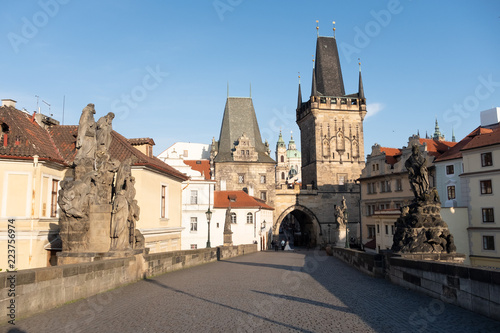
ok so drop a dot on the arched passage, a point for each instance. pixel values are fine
(300, 223)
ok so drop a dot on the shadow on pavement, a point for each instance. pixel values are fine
(224, 305)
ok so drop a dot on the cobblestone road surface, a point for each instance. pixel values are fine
(303, 291)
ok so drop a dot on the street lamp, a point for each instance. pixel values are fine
(208, 214)
(262, 238)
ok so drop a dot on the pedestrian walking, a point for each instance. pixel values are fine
(283, 245)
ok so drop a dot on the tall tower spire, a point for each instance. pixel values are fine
(299, 99)
(314, 91)
(437, 134)
(361, 91)
(453, 135)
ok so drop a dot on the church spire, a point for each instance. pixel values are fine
(314, 91)
(453, 135)
(437, 134)
(361, 91)
(299, 99)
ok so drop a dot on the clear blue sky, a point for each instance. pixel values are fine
(420, 60)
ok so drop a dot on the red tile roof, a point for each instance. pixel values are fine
(120, 149)
(240, 199)
(25, 138)
(456, 151)
(437, 148)
(202, 166)
(484, 140)
(391, 154)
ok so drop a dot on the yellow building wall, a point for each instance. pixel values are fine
(149, 185)
(23, 191)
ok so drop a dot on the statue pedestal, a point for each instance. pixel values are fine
(341, 237)
(66, 258)
(98, 236)
(228, 238)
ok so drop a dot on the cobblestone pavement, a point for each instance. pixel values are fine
(302, 291)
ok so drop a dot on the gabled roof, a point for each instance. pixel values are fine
(456, 151)
(437, 148)
(238, 199)
(484, 140)
(239, 118)
(327, 71)
(202, 166)
(65, 139)
(25, 137)
(141, 141)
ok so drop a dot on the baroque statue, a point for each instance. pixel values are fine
(420, 228)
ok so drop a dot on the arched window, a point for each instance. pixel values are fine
(282, 175)
(282, 159)
(233, 217)
(249, 218)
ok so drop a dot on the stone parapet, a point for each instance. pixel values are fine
(41, 289)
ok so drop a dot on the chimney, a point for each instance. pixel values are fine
(9, 102)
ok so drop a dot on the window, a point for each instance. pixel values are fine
(371, 188)
(450, 170)
(262, 179)
(486, 159)
(378, 229)
(333, 155)
(385, 186)
(371, 231)
(341, 179)
(241, 179)
(194, 197)
(392, 229)
(53, 201)
(233, 217)
(282, 175)
(186, 153)
(250, 218)
(386, 229)
(488, 215)
(194, 224)
(194, 246)
(163, 211)
(488, 242)
(486, 187)
(322, 100)
(263, 195)
(451, 192)
(399, 185)
(282, 159)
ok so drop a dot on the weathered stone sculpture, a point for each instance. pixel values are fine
(99, 214)
(420, 228)
(340, 214)
(228, 234)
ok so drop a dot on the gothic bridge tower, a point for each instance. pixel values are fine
(331, 123)
(331, 134)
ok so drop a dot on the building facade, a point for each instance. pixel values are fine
(288, 162)
(240, 159)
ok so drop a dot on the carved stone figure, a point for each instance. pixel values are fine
(340, 213)
(417, 173)
(227, 221)
(420, 228)
(86, 139)
(103, 133)
(119, 226)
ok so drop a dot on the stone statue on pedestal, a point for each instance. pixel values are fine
(420, 228)
(228, 234)
(98, 214)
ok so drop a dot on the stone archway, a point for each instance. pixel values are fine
(310, 228)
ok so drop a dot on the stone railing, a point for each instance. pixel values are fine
(30, 291)
(473, 288)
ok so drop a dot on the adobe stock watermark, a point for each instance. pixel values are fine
(420, 319)
(460, 111)
(373, 28)
(122, 106)
(31, 27)
(223, 6)
(282, 119)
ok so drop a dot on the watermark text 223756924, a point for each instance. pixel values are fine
(11, 263)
